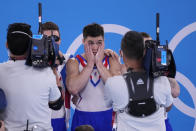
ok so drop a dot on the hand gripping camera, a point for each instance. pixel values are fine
(159, 60)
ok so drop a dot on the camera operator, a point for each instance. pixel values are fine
(28, 89)
(58, 116)
(118, 90)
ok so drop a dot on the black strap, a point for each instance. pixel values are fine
(150, 89)
(59, 103)
(129, 85)
(137, 92)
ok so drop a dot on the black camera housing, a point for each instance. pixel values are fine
(43, 51)
(159, 60)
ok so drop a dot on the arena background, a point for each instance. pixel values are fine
(177, 25)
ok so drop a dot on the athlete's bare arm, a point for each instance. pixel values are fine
(76, 80)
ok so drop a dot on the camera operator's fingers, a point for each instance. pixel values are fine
(116, 55)
(111, 53)
(108, 52)
(115, 67)
(57, 62)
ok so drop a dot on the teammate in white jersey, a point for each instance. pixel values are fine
(84, 79)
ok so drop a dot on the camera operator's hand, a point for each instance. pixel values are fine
(2, 127)
(89, 55)
(59, 60)
(115, 69)
(110, 52)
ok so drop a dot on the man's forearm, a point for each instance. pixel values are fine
(175, 88)
(77, 83)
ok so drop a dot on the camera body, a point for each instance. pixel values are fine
(158, 60)
(43, 51)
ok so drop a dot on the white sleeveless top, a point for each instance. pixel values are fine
(91, 98)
